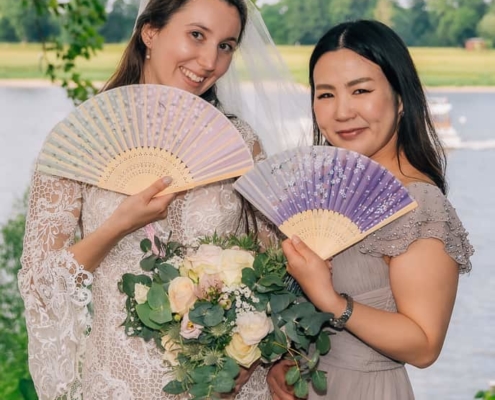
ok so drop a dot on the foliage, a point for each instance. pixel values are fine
(222, 305)
(486, 394)
(15, 382)
(79, 22)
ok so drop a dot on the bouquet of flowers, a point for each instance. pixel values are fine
(219, 306)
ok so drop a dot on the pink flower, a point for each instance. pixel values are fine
(188, 329)
(208, 286)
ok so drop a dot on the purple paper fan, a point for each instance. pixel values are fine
(347, 183)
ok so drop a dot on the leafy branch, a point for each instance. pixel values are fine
(80, 20)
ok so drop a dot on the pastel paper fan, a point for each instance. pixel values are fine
(126, 138)
(330, 197)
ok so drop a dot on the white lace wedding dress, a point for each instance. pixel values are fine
(77, 354)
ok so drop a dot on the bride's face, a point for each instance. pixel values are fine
(195, 48)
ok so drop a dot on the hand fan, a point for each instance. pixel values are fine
(126, 138)
(330, 197)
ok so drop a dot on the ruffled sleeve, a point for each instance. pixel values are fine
(435, 217)
(54, 286)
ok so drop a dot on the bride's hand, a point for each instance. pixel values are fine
(143, 208)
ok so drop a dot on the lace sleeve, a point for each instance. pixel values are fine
(54, 286)
(433, 218)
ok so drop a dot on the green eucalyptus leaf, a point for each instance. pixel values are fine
(271, 280)
(214, 315)
(301, 388)
(175, 387)
(200, 390)
(129, 281)
(158, 298)
(249, 278)
(323, 342)
(148, 263)
(197, 314)
(167, 272)
(312, 323)
(298, 311)
(313, 361)
(231, 367)
(262, 304)
(145, 245)
(223, 383)
(161, 316)
(143, 312)
(292, 375)
(259, 264)
(203, 374)
(319, 381)
(280, 302)
(290, 330)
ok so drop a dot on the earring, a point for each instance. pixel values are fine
(148, 56)
(148, 51)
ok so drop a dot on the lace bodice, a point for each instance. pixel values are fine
(67, 362)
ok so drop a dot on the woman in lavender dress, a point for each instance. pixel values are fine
(393, 293)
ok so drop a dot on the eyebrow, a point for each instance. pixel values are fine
(206, 29)
(326, 86)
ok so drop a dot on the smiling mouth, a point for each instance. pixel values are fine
(191, 75)
(350, 132)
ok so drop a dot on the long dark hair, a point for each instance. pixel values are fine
(381, 45)
(157, 14)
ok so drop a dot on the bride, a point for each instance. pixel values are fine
(81, 239)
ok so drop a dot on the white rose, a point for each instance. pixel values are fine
(181, 295)
(253, 326)
(141, 293)
(241, 352)
(171, 350)
(206, 260)
(232, 264)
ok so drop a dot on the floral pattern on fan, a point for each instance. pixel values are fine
(126, 138)
(330, 197)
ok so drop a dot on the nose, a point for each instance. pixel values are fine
(344, 109)
(208, 58)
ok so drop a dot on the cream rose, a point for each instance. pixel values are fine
(206, 260)
(232, 263)
(171, 350)
(241, 352)
(254, 326)
(181, 295)
(141, 293)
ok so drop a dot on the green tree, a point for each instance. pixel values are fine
(486, 27)
(120, 21)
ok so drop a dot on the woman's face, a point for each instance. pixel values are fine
(195, 48)
(354, 104)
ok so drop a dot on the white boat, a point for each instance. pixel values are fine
(440, 113)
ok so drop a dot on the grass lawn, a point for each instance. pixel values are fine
(436, 66)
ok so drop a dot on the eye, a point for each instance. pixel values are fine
(197, 35)
(227, 47)
(324, 96)
(361, 91)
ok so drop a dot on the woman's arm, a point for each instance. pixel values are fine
(135, 212)
(424, 284)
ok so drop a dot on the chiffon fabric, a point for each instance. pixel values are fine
(356, 371)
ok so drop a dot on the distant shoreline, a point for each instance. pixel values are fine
(42, 83)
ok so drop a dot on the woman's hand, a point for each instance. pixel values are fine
(276, 381)
(143, 208)
(313, 274)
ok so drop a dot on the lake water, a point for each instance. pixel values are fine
(467, 362)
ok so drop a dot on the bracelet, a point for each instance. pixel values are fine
(339, 323)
